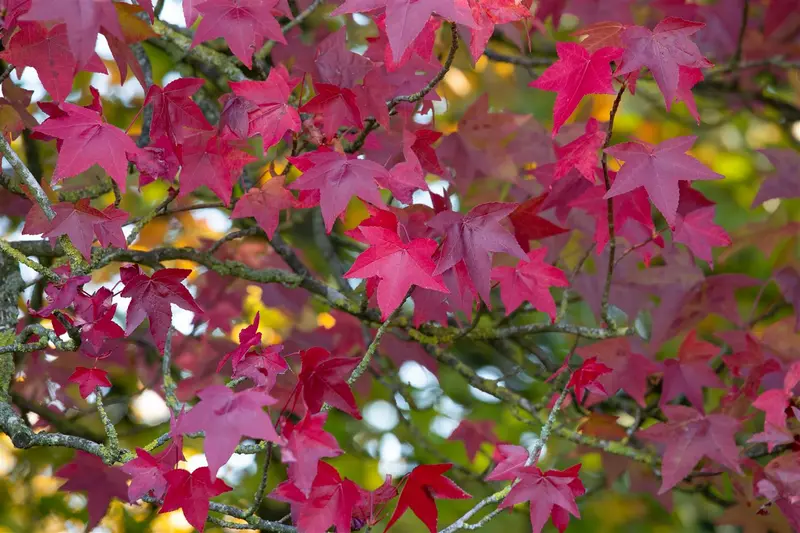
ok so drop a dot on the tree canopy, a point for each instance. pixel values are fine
(302, 266)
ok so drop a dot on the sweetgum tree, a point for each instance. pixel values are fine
(536, 260)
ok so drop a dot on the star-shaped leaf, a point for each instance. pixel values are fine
(397, 265)
(151, 298)
(530, 281)
(227, 416)
(658, 168)
(424, 485)
(323, 378)
(472, 238)
(576, 74)
(191, 493)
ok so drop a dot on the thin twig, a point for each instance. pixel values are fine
(612, 245)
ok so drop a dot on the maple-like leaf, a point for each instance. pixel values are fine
(269, 113)
(338, 179)
(585, 377)
(87, 140)
(265, 203)
(473, 434)
(530, 281)
(88, 473)
(227, 416)
(600, 34)
(151, 298)
(83, 19)
(337, 106)
(191, 492)
(147, 475)
(81, 223)
(529, 225)
(688, 437)
(509, 458)
(690, 372)
(472, 238)
(576, 74)
(699, 233)
(407, 18)
(211, 160)
(331, 502)
(582, 154)
(368, 509)
(262, 367)
(424, 485)
(551, 495)
(323, 378)
(658, 168)
(337, 65)
(785, 181)
(629, 370)
(48, 52)
(249, 338)
(175, 114)
(244, 24)
(88, 379)
(663, 51)
(788, 281)
(776, 402)
(307, 443)
(397, 265)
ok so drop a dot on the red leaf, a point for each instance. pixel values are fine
(83, 19)
(581, 154)
(472, 238)
(191, 493)
(397, 265)
(473, 434)
(689, 436)
(551, 495)
(88, 379)
(776, 402)
(81, 223)
(530, 281)
(405, 19)
(785, 181)
(788, 280)
(227, 416)
(270, 114)
(600, 34)
(699, 233)
(689, 373)
(323, 378)
(529, 226)
(262, 367)
(658, 168)
(87, 140)
(249, 338)
(576, 74)
(244, 24)
(629, 370)
(210, 160)
(307, 443)
(331, 502)
(337, 106)
(48, 52)
(585, 377)
(338, 179)
(175, 115)
(265, 204)
(367, 511)
(510, 458)
(424, 485)
(151, 298)
(663, 51)
(148, 475)
(87, 473)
